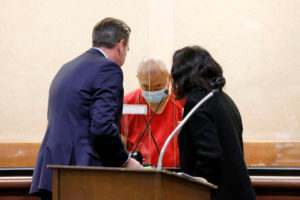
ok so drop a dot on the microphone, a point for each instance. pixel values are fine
(216, 83)
(147, 126)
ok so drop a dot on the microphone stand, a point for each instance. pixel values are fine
(150, 128)
(152, 136)
(216, 84)
(147, 126)
(161, 155)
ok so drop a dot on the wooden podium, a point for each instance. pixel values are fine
(91, 183)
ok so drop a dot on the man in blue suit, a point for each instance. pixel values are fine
(85, 109)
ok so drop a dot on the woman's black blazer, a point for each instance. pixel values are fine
(211, 146)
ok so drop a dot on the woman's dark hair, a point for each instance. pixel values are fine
(193, 67)
(109, 31)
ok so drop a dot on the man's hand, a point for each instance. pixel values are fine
(133, 164)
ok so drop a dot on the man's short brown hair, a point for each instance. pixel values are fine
(109, 31)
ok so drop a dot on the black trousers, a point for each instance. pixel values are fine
(45, 195)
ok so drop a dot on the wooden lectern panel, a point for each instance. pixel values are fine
(175, 188)
(91, 183)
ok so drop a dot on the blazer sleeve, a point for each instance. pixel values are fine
(107, 92)
(206, 145)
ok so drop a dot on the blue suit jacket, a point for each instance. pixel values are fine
(84, 115)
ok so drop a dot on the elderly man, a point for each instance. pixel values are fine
(154, 79)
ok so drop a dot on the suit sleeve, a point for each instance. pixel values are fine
(107, 91)
(206, 145)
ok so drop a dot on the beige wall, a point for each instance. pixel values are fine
(257, 43)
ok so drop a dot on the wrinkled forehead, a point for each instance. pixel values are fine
(153, 80)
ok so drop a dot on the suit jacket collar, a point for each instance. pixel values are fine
(95, 51)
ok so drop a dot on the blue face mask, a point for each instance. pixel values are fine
(154, 97)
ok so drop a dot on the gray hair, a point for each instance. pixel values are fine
(152, 64)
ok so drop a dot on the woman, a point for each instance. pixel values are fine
(210, 143)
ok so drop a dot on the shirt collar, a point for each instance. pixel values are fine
(101, 51)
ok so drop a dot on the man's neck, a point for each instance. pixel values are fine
(108, 53)
(101, 51)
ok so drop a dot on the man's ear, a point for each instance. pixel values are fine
(121, 46)
(169, 81)
(122, 42)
